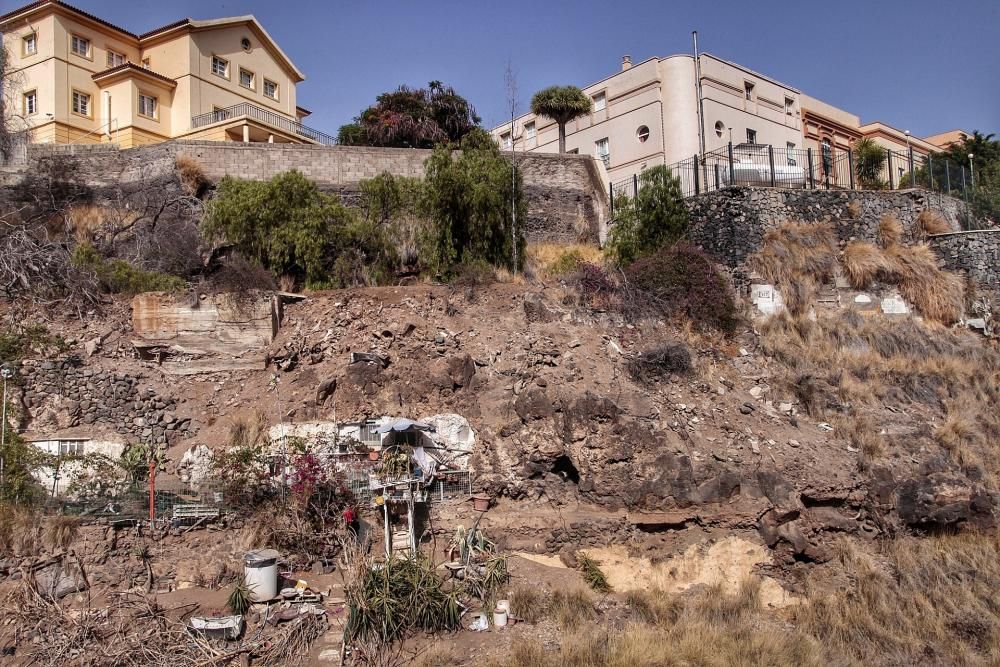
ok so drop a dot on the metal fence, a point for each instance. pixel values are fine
(247, 110)
(795, 168)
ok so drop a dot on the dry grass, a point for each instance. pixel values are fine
(928, 601)
(20, 531)
(190, 174)
(890, 231)
(864, 263)
(527, 603)
(60, 531)
(438, 654)
(938, 295)
(570, 608)
(551, 260)
(796, 250)
(929, 223)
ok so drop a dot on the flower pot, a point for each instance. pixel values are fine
(373, 456)
(480, 503)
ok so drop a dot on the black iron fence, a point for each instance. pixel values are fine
(828, 168)
(247, 110)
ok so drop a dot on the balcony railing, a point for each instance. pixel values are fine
(247, 110)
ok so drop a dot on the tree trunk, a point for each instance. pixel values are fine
(562, 137)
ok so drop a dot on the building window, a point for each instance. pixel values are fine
(790, 153)
(751, 136)
(81, 103)
(220, 67)
(80, 46)
(603, 150)
(145, 62)
(147, 106)
(70, 448)
(505, 140)
(748, 90)
(789, 106)
(369, 434)
(720, 127)
(245, 44)
(642, 133)
(246, 78)
(30, 44)
(115, 59)
(529, 130)
(30, 102)
(600, 102)
(270, 89)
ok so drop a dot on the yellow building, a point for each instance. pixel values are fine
(80, 79)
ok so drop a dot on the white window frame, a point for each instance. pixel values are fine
(274, 87)
(225, 67)
(30, 106)
(253, 79)
(790, 106)
(749, 89)
(145, 63)
(85, 104)
(155, 111)
(75, 41)
(605, 154)
(29, 44)
(506, 142)
(790, 153)
(751, 132)
(602, 104)
(70, 447)
(529, 131)
(115, 59)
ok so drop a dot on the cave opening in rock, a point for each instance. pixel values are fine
(564, 467)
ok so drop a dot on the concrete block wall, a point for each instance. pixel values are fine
(565, 194)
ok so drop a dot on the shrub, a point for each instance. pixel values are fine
(557, 259)
(592, 574)
(890, 230)
(661, 360)
(398, 205)
(23, 339)
(116, 276)
(60, 531)
(471, 201)
(569, 608)
(869, 162)
(288, 226)
(930, 222)
(683, 281)
(938, 295)
(656, 218)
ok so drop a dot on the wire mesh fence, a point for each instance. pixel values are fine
(828, 168)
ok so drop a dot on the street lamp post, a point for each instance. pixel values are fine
(972, 170)
(6, 373)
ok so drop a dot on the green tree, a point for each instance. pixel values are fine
(562, 104)
(291, 228)
(412, 118)
(655, 219)
(869, 161)
(468, 201)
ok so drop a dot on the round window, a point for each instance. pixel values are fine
(245, 43)
(719, 128)
(642, 133)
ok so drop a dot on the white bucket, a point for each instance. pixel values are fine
(499, 617)
(260, 572)
(505, 605)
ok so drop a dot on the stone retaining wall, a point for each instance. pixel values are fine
(974, 253)
(60, 394)
(565, 195)
(730, 224)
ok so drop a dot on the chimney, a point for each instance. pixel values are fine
(626, 62)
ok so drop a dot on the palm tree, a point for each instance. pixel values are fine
(562, 104)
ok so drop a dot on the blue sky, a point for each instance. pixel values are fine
(919, 65)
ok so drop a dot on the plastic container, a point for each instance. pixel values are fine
(260, 572)
(499, 617)
(505, 605)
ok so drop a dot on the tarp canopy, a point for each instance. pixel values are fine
(403, 425)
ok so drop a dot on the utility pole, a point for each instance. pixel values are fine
(697, 90)
(6, 373)
(511, 84)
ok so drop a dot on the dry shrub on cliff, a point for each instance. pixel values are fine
(797, 257)
(552, 260)
(931, 222)
(890, 230)
(926, 601)
(60, 531)
(20, 531)
(939, 295)
(191, 175)
(863, 263)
